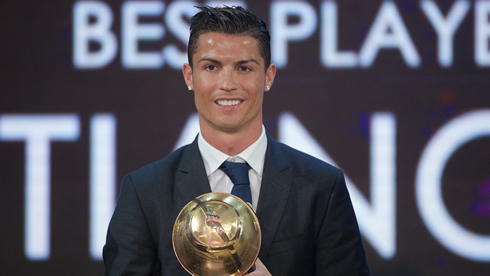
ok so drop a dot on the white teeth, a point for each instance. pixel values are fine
(228, 102)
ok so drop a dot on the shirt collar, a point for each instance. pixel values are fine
(254, 155)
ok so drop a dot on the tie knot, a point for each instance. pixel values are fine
(237, 172)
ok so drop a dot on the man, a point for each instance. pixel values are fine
(306, 216)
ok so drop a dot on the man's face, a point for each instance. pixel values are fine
(229, 81)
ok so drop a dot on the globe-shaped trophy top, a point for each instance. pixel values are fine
(216, 234)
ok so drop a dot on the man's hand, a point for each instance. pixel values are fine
(259, 269)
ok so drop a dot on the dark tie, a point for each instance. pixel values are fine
(238, 173)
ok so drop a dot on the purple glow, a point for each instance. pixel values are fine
(481, 206)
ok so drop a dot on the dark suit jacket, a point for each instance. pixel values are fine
(305, 213)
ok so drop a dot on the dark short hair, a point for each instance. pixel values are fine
(233, 20)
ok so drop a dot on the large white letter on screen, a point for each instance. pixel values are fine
(436, 154)
(99, 31)
(132, 32)
(377, 220)
(102, 179)
(482, 33)
(38, 131)
(281, 32)
(180, 28)
(445, 27)
(188, 134)
(330, 55)
(388, 31)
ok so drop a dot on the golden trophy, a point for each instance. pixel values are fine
(216, 234)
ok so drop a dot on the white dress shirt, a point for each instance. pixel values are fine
(254, 155)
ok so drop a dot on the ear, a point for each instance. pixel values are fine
(187, 72)
(270, 74)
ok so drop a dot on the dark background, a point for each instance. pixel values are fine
(152, 106)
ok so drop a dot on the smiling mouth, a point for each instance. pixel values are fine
(228, 102)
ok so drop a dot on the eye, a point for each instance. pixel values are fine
(210, 68)
(245, 68)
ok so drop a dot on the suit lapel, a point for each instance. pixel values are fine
(191, 179)
(274, 192)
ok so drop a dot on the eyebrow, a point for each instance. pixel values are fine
(220, 63)
(210, 60)
(247, 61)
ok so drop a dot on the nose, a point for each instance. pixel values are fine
(228, 80)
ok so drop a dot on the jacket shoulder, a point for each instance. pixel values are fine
(304, 164)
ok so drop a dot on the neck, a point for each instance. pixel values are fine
(231, 143)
